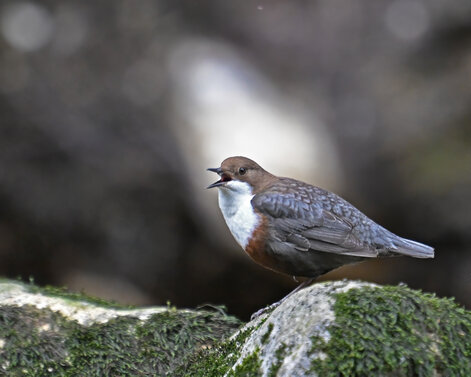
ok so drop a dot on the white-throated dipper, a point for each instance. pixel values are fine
(298, 229)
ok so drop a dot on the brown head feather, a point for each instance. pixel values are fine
(246, 170)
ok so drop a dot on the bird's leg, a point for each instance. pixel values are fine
(258, 313)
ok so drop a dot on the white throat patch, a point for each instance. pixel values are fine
(234, 201)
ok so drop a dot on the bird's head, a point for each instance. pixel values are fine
(239, 172)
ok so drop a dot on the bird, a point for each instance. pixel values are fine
(299, 229)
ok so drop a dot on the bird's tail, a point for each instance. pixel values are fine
(413, 249)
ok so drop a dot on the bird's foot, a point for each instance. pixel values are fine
(268, 308)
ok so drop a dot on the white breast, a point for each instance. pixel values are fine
(234, 201)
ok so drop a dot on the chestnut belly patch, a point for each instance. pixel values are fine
(256, 247)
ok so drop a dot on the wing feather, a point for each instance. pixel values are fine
(305, 224)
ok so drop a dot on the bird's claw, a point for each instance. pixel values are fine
(264, 310)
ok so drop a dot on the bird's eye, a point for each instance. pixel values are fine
(242, 171)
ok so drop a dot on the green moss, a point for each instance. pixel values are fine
(171, 337)
(215, 362)
(249, 367)
(267, 334)
(40, 342)
(279, 355)
(105, 349)
(31, 342)
(396, 330)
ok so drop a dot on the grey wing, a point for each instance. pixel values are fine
(309, 226)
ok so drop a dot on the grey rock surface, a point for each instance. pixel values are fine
(306, 315)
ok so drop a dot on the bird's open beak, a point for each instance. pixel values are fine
(215, 170)
(222, 181)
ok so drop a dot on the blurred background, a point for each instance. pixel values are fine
(110, 112)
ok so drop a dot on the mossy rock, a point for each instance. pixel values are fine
(328, 329)
(49, 332)
(347, 329)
